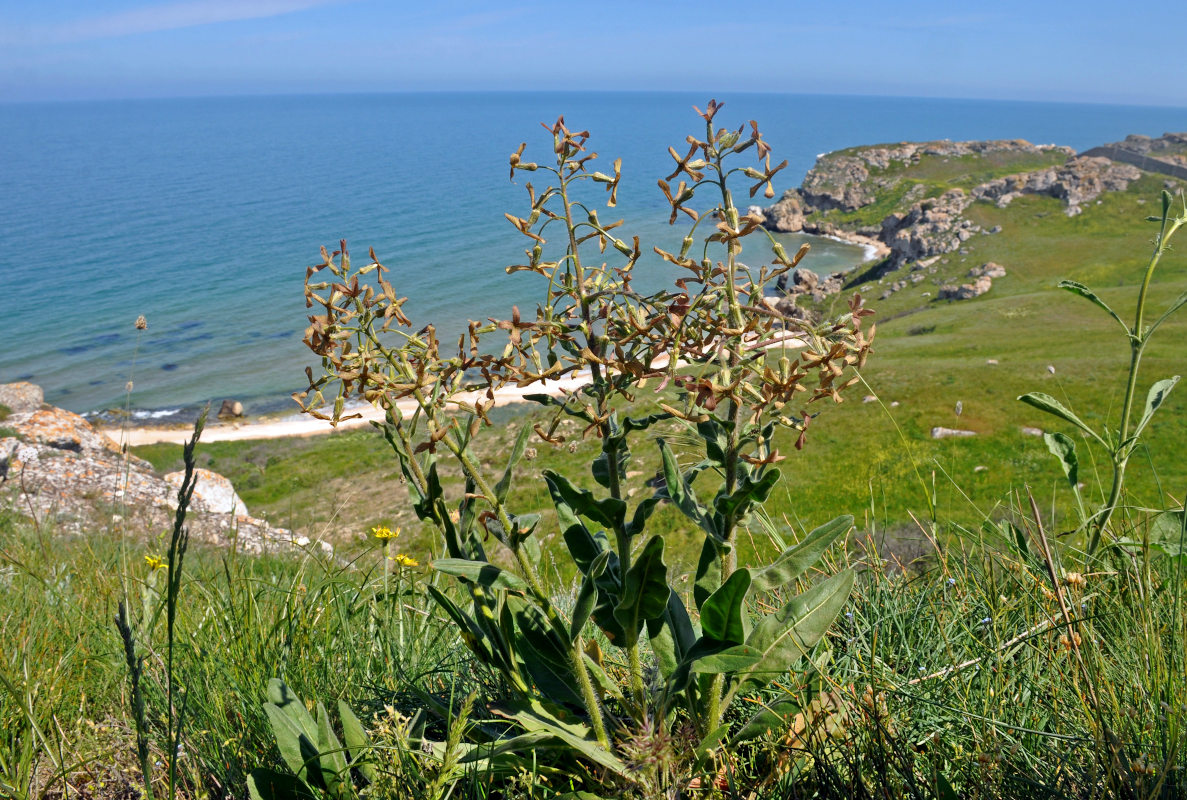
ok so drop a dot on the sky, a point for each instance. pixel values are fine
(1086, 51)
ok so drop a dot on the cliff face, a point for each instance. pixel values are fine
(56, 468)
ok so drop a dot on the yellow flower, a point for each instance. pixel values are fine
(383, 533)
(154, 562)
(406, 561)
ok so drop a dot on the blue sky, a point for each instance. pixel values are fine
(1062, 51)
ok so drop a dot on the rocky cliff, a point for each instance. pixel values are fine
(911, 197)
(57, 469)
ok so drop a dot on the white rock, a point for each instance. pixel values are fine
(1027, 431)
(940, 432)
(212, 492)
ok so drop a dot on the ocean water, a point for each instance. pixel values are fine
(202, 214)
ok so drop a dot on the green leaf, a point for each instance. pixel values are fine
(1078, 288)
(644, 591)
(1045, 402)
(723, 616)
(281, 696)
(265, 784)
(747, 494)
(732, 659)
(608, 511)
(1168, 535)
(587, 597)
(357, 741)
(678, 489)
(1063, 448)
(544, 654)
(786, 636)
(481, 572)
(643, 512)
(671, 635)
(296, 748)
(796, 560)
(716, 438)
(331, 756)
(465, 623)
(1154, 400)
(774, 714)
(708, 578)
(643, 423)
(517, 451)
(535, 717)
(601, 464)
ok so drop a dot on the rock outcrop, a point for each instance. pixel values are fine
(1078, 182)
(18, 397)
(58, 468)
(982, 282)
(921, 229)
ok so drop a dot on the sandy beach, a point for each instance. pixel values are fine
(221, 431)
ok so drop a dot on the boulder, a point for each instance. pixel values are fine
(966, 291)
(939, 432)
(988, 270)
(212, 492)
(21, 396)
(230, 408)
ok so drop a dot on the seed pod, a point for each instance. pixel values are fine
(685, 246)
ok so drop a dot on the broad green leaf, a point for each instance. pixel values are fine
(774, 714)
(1063, 448)
(732, 659)
(1078, 288)
(517, 451)
(545, 655)
(642, 423)
(331, 756)
(601, 464)
(587, 597)
(708, 578)
(1045, 402)
(608, 511)
(357, 741)
(644, 590)
(535, 717)
(266, 784)
(797, 559)
(1154, 400)
(519, 745)
(643, 512)
(724, 616)
(481, 572)
(296, 748)
(747, 494)
(716, 439)
(281, 696)
(1167, 533)
(671, 635)
(786, 636)
(678, 489)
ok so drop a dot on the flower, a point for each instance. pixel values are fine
(406, 561)
(154, 562)
(383, 533)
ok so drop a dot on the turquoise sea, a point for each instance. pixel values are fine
(202, 214)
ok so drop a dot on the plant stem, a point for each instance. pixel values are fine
(1137, 345)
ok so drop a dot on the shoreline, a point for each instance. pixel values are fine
(303, 425)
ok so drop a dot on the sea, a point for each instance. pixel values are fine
(203, 214)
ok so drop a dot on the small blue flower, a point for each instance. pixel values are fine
(952, 581)
(848, 615)
(985, 621)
